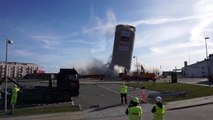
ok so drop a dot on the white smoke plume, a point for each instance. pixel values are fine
(97, 67)
(147, 68)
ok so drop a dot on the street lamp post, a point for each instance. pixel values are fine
(136, 64)
(206, 47)
(8, 41)
(207, 59)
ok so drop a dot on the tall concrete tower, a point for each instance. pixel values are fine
(123, 46)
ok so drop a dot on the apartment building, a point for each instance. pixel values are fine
(17, 69)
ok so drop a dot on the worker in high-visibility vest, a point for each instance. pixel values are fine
(123, 92)
(14, 96)
(158, 109)
(134, 111)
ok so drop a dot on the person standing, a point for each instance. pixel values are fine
(123, 93)
(158, 109)
(14, 96)
(134, 111)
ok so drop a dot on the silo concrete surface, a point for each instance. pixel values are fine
(123, 46)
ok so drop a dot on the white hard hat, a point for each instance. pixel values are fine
(158, 99)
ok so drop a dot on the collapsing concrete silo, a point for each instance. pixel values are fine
(123, 46)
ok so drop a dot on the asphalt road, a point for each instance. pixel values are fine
(92, 95)
(101, 101)
(105, 95)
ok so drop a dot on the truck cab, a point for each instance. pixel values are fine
(68, 83)
(66, 86)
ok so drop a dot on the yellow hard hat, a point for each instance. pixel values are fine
(135, 99)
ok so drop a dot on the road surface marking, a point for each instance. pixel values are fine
(113, 90)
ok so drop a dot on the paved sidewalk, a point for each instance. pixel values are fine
(114, 113)
(189, 103)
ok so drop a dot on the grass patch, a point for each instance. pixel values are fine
(193, 91)
(41, 110)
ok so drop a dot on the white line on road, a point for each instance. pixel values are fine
(108, 89)
(113, 90)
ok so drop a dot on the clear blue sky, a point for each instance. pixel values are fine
(75, 33)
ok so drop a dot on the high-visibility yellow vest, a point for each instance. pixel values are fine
(135, 113)
(123, 89)
(159, 114)
(15, 91)
(14, 95)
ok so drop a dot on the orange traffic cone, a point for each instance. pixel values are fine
(143, 97)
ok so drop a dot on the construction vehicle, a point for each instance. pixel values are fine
(142, 75)
(125, 75)
(67, 86)
(147, 76)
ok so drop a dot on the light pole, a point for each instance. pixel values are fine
(8, 41)
(206, 47)
(136, 64)
(207, 59)
(207, 56)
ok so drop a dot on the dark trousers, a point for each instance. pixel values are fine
(124, 96)
(12, 109)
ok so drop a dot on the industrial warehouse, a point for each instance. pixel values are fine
(199, 69)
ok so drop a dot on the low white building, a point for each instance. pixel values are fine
(199, 69)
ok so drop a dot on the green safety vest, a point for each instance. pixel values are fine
(123, 89)
(14, 95)
(159, 114)
(135, 113)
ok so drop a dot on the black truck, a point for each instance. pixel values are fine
(61, 87)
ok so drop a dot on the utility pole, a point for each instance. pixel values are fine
(8, 41)
(207, 64)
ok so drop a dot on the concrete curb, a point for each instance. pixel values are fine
(181, 104)
(183, 107)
